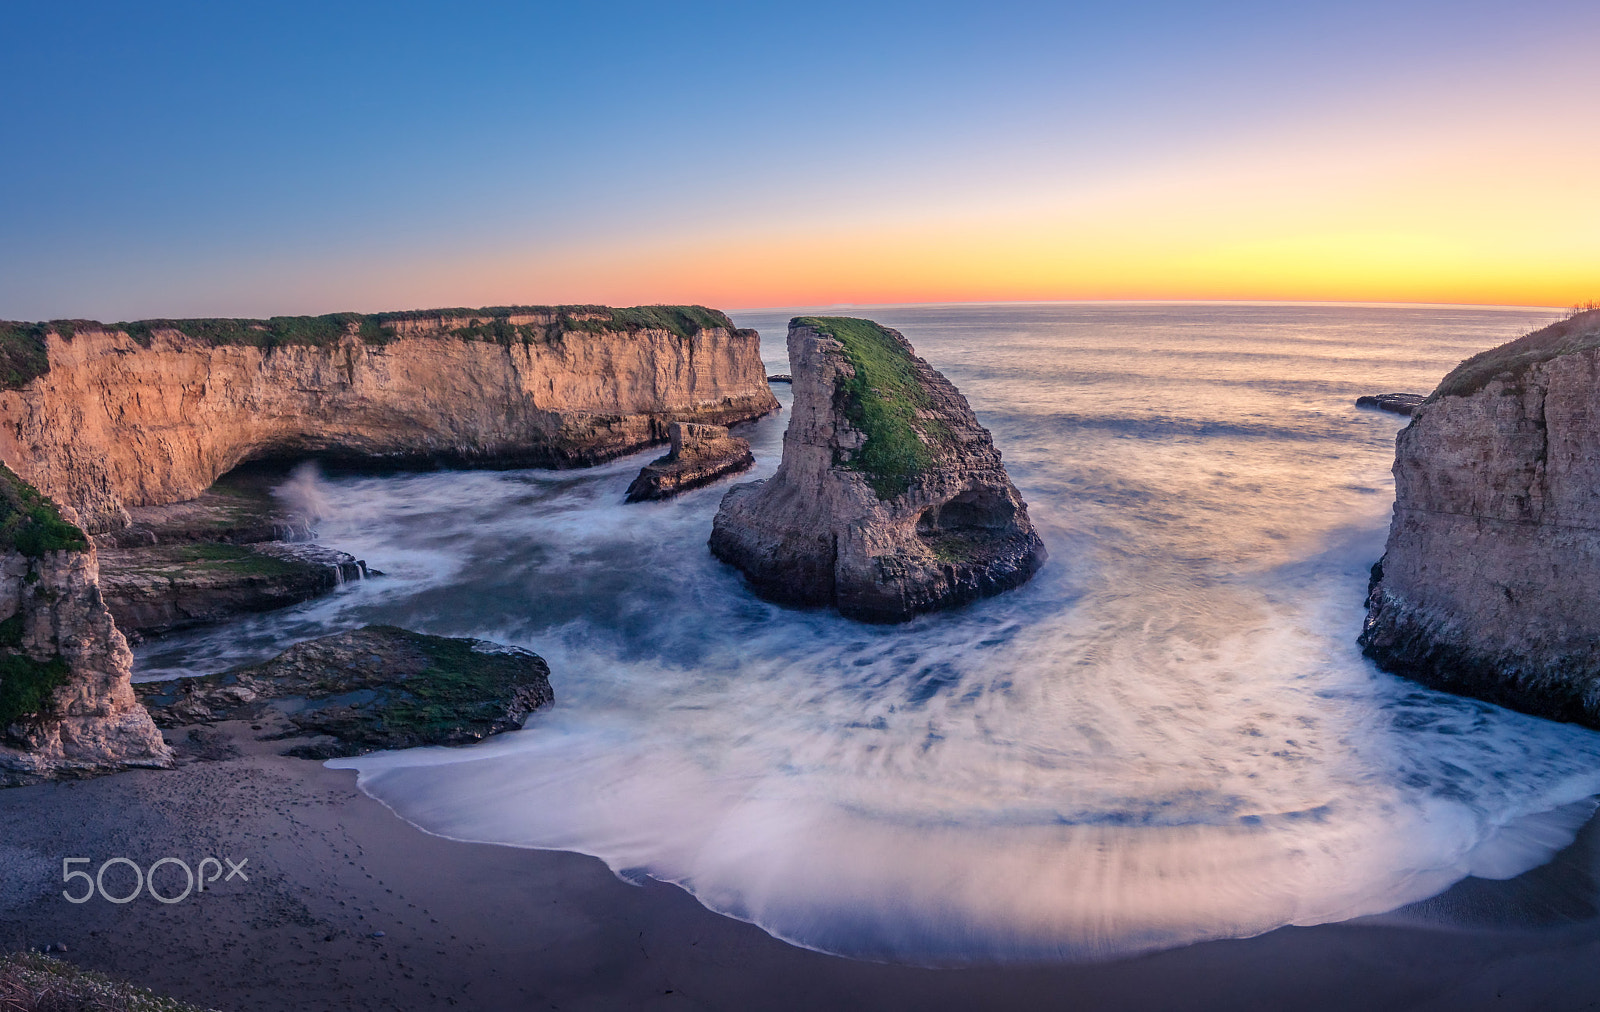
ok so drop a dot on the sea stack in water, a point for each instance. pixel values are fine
(891, 499)
(1490, 585)
(700, 455)
(66, 701)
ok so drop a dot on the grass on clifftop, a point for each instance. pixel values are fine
(1579, 332)
(23, 354)
(882, 401)
(31, 523)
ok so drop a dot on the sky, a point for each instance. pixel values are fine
(168, 159)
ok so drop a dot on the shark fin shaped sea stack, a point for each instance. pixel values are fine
(891, 499)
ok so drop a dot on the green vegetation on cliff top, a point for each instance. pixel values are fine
(30, 523)
(881, 400)
(1579, 332)
(23, 356)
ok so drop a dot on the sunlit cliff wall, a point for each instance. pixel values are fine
(101, 417)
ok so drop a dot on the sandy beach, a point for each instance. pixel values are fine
(485, 927)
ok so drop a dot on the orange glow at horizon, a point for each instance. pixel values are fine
(1409, 215)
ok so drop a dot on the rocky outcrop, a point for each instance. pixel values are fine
(67, 706)
(106, 417)
(238, 548)
(156, 590)
(1400, 404)
(891, 499)
(1490, 582)
(700, 455)
(375, 688)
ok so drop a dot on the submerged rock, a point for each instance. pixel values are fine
(1490, 583)
(375, 688)
(67, 706)
(891, 499)
(700, 455)
(1400, 404)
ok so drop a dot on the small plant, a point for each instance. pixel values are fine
(31, 523)
(27, 685)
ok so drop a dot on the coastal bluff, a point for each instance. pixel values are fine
(1490, 582)
(103, 417)
(890, 500)
(67, 706)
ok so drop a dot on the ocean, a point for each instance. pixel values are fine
(1169, 735)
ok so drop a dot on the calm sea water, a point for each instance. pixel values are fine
(1169, 735)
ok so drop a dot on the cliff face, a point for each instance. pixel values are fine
(66, 701)
(152, 413)
(1490, 584)
(891, 499)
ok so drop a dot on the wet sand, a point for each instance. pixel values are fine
(482, 927)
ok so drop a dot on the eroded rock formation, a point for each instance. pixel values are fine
(163, 588)
(1490, 583)
(891, 499)
(66, 702)
(104, 417)
(1399, 404)
(375, 688)
(700, 455)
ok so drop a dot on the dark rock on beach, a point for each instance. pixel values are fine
(375, 688)
(1490, 584)
(891, 499)
(1400, 404)
(700, 455)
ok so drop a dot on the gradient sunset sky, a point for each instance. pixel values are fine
(250, 159)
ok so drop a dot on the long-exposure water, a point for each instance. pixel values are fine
(1168, 735)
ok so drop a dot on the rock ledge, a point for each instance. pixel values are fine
(700, 455)
(380, 687)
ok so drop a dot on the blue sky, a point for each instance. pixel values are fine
(248, 159)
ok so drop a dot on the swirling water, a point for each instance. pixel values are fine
(1168, 735)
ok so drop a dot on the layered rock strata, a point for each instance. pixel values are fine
(102, 418)
(160, 589)
(891, 499)
(237, 548)
(1490, 582)
(67, 706)
(700, 455)
(375, 688)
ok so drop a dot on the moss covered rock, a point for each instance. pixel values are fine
(380, 687)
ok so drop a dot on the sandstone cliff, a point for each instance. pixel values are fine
(1490, 583)
(891, 499)
(104, 417)
(66, 703)
(700, 455)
